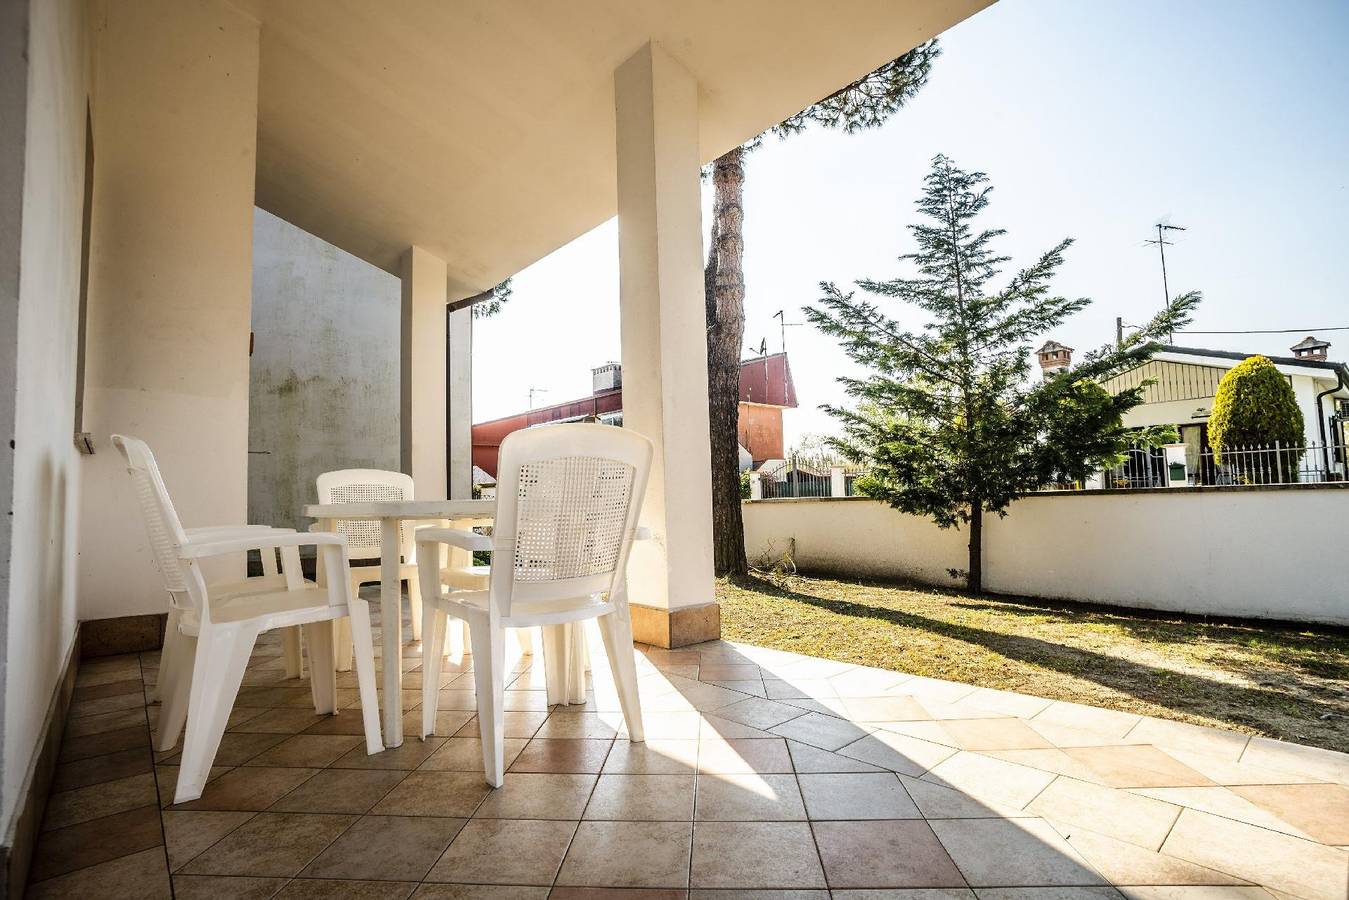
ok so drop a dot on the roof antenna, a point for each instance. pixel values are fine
(780, 315)
(1162, 243)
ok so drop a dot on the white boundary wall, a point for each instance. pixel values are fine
(1277, 553)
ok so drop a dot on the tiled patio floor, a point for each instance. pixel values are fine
(762, 770)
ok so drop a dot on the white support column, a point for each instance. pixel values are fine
(664, 343)
(421, 408)
(460, 407)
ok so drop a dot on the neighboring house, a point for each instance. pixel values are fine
(1185, 380)
(766, 389)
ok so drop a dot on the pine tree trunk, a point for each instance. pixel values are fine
(974, 581)
(725, 289)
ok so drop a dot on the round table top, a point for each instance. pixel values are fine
(402, 509)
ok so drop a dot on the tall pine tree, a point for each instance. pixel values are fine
(950, 423)
(865, 103)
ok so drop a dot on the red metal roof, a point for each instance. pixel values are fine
(768, 380)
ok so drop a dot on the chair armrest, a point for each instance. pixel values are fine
(257, 541)
(221, 531)
(465, 540)
(643, 533)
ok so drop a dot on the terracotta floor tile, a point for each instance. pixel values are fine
(1265, 857)
(505, 851)
(349, 791)
(408, 756)
(98, 800)
(448, 722)
(100, 840)
(989, 779)
(270, 844)
(465, 755)
(479, 892)
(141, 875)
(742, 756)
(344, 889)
(755, 854)
(877, 795)
(903, 854)
(898, 752)
(531, 795)
(653, 757)
(249, 789)
(819, 730)
(167, 778)
(307, 750)
(189, 832)
(749, 798)
(1012, 852)
(105, 742)
(1139, 766)
(281, 721)
(628, 854)
(1319, 810)
(225, 887)
(663, 798)
(96, 769)
(513, 725)
(434, 793)
(1138, 820)
(386, 848)
(236, 748)
(562, 756)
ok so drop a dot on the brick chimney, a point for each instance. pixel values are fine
(1310, 348)
(1054, 358)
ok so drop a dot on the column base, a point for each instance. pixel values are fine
(671, 628)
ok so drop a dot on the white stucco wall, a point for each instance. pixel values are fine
(1276, 554)
(324, 381)
(40, 548)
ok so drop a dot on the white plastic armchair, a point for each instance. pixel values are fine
(568, 499)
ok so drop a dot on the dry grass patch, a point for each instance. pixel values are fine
(1289, 683)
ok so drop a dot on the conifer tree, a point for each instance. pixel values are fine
(949, 422)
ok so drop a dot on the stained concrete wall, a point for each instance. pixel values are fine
(324, 373)
(1274, 553)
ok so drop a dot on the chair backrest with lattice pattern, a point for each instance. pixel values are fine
(568, 500)
(162, 525)
(365, 486)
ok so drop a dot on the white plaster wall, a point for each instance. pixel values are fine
(1183, 412)
(41, 594)
(323, 393)
(1274, 554)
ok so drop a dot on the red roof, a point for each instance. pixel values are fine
(767, 380)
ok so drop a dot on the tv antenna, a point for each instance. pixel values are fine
(781, 316)
(532, 392)
(1162, 243)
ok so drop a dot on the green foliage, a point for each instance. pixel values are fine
(871, 100)
(490, 307)
(949, 420)
(1254, 404)
(744, 485)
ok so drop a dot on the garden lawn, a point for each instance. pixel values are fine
(1283, 682)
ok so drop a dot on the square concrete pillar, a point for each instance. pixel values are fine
(459, 405)
(421, 420)
(664, 344)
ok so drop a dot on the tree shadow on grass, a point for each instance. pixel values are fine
(1178, 691)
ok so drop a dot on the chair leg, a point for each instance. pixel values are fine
(489, 652)
(456, 629)
(221, 657)
(175, 676)
(415, 609)
(616, 629)
(322, 673)
(365, 673)
(432, 658)
(342, 643)
(525, 637)
(290, 647)
(166, 654)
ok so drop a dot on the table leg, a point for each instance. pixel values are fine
(391, 630)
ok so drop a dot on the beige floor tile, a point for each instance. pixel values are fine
(1142, 821)
(825, 732)
(903, 854)
(141, 875)
(386, 848)
(480, 892)
(279, 721)
(808, 759)
(653, 757)
(904, 894)
(187, 832)
(448, 722)
(307, 750)
(1137, 766)
(408, 756)
(749, 798)
(1009, 702)
(465, 755)
(938, 802)
(894, 708)
(728, 672)
(994, 734)
(867, 682)
(1227, 772)
(762, 756)
(714, 726)
(897, 752)
(562, 755)
(1225, 802)
(345, 889)
(989, 779)
(351, 791)
(1108, 722)
(813, 688)
(935, 690)
(1013, 852)
(236, 748)
(657, 798)
(759, 713)
(446, 794)
(1260, 856)
(248, 789)
(505, 851)
(1195, 892)
(580, 725)
(1316, 762)
(755, 855)
(1066, 736)
(97, 800)
(1321, 811)
(1050, 760)
(270, 844)
(1124, 863)
(671, 726)
(513, 725)
(877, 795)
(225, 887)
(753, 688)
(1184, 736)
(1048, 893)
(629, 854)
(527, 795)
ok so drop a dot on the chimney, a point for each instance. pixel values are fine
(1054, 358)
(1312, 349)
(606, 377)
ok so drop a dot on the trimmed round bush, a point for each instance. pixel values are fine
(1254, 405)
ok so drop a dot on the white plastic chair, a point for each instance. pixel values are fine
(145, 473)
(363, 539)
(568, 497)
(216, 634)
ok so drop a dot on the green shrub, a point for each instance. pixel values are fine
(1254, 405)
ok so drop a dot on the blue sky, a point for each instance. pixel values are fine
(1093, 120)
